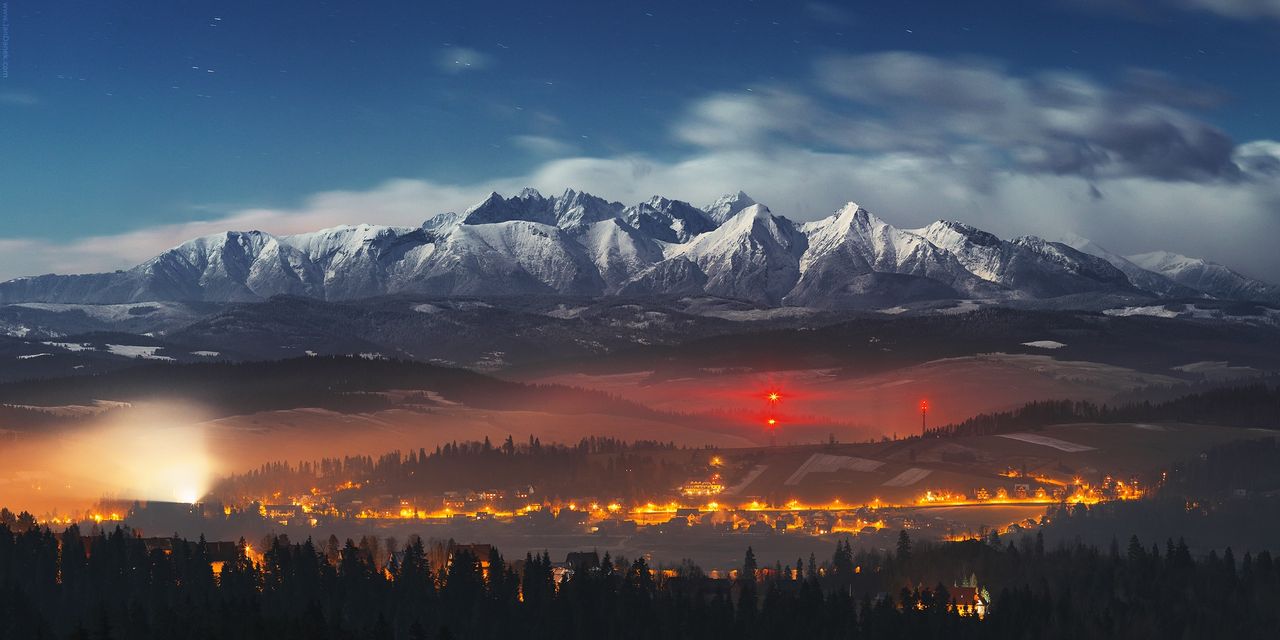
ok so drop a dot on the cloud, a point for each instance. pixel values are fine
(395, 202)
(1154, 11)
(1239, 9)
(19, 98)
(543, 145)
(829, 13)
(462, 59)
(1050, 122)
(1053, 122)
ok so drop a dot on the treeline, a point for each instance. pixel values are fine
(1166, 392)
(109, 586)
(607, 467)
(330, 382)
(1249, 405)
(1233, 469)
(22, 418)
(1228, 495)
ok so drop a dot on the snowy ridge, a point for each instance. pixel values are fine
(579, 244)
(1206, 277)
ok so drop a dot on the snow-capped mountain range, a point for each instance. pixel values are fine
(579, 244)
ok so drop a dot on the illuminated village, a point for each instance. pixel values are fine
(713, 498)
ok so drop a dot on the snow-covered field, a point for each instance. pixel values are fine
(101, 312)
(135, 351)
(1046, 441)
(1044, 344)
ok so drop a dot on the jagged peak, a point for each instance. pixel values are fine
(1158, 257)
(939, 230)
(746, 219)
(441, 220)
(740, 197)
(728, 205)
(223, 237)
(493, 198)
(1030, 241)
(856, 212)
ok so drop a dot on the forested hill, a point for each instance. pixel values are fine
(113, 586)
(337, 383)
(1254, 404)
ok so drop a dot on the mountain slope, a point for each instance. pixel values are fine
(854, 253)
(1207, 277)
(754, 255)
(1028, 266)
(1141, 278)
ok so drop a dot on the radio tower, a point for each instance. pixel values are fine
(771, 423)
(924, 413)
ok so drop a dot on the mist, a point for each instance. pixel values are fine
(153, 452)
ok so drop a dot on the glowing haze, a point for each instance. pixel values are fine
(150, 453)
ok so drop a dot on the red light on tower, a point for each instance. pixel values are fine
(924, 412)
(772, 398)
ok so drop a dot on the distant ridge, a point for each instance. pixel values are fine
(579, 244)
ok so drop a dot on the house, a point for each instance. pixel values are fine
(582, 560)
(971, 599)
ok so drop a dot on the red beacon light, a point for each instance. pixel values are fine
(773, 397)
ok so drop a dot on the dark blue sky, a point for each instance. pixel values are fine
(120, 116)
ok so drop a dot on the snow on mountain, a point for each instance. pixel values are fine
(576, 243)
(575, 209)
(358, 259)
(1207, 277)
(619, 251)
(1141, 278)
(754, 255)
(503, 258)
(569, 210)
(230, 266)
(1028, 266)
(853, 242)
(442, 223)
(727, 206)
(668, 220)
(675, 276)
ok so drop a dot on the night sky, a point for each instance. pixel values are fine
(127, 127)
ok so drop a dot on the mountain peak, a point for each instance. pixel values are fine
(947, 233)
(727, 206)
(442, 222)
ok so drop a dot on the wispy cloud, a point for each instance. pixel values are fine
(1050, 122)
(462, 59)
(19, 98)
(1239, 9)
(1153, 9)
(544, 145)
